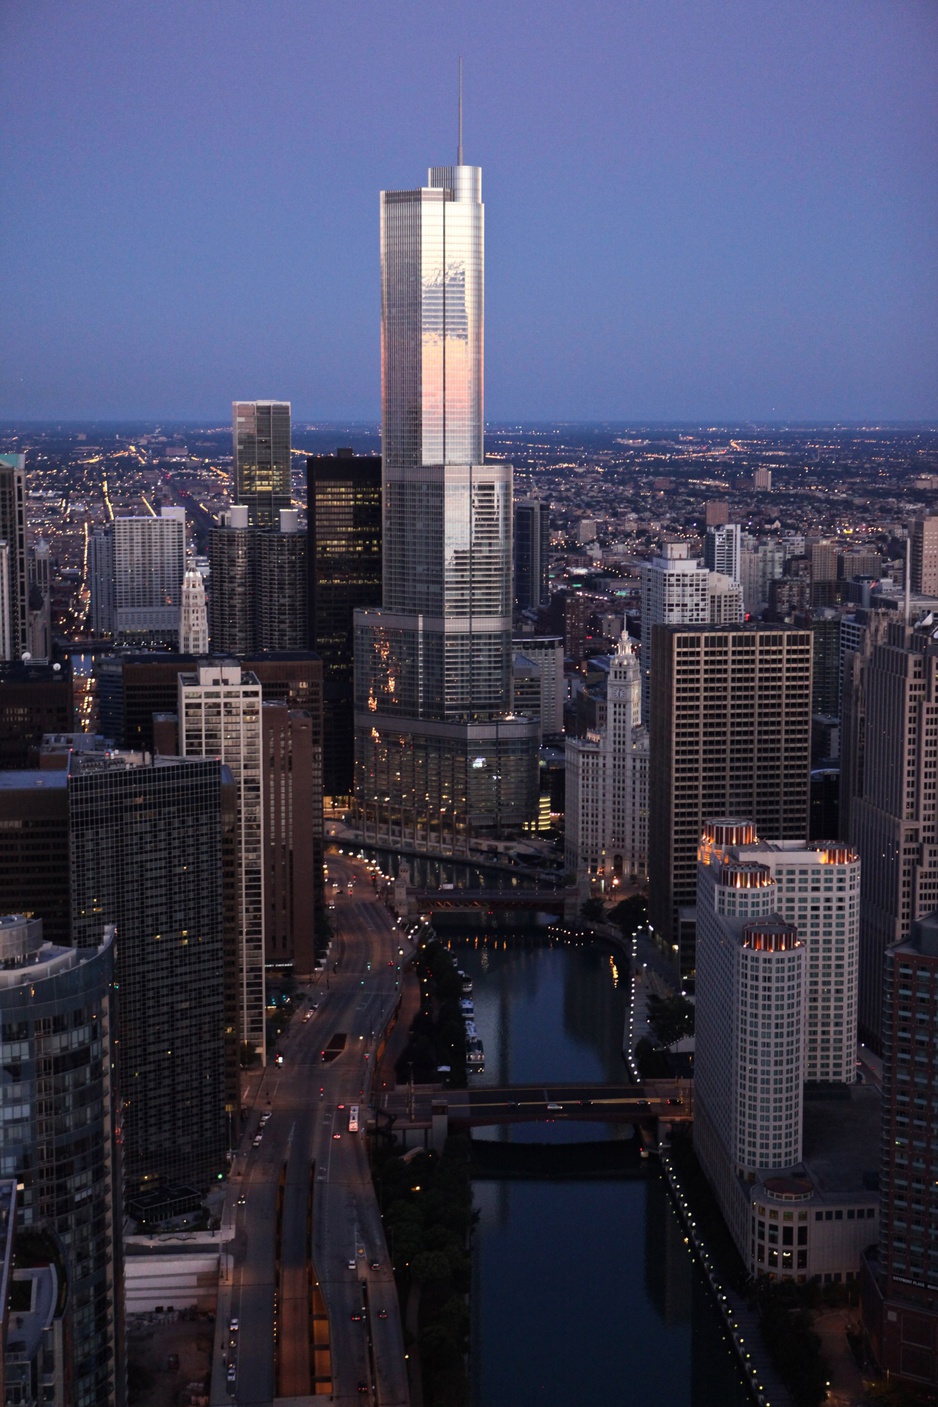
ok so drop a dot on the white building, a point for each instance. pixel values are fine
(220, 716)
(722, 546)
(675, 591)
(193, 615)
(137, 566)
(546, 652)
(759, 564)
(724, 599)
(607, 783)
(792, 1175)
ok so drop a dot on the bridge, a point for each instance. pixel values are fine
(547, 899)
(669, 1101)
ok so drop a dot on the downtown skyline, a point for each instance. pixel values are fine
(726, 213)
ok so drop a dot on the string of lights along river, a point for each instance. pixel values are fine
(584, 1291)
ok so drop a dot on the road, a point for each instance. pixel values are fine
(308, 1168)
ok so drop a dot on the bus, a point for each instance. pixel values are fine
(353, 1119)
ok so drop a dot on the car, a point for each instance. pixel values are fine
(675, 1101)
(308, 1016)
(382, 1314)
(375, 1264)
(233, 1325)
(356, 1316)
(352, 1263)
(340, 1106)
(242, 1200)
(257, 1140)
(232, 1373)
(362, 1387)
(336, 1135)
(554, 1107)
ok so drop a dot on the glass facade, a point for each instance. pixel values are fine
(262, 478)
(433, 666)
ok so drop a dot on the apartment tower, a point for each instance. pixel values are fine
(261, 442)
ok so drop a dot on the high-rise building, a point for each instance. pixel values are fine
(39, 616)
(281, 588)
(923, 555)
(716, 512)
(137, 568)
(888, 796)
(146, 855)
(344, 574)
(762, 479)
(440, 757)
(606, 811)
(219, 713)
(262, 473)
(760, 564)
(193, 616)
(675, 591)
(292, 845)
(233, 585)
(532, 553)
(13, 533)
(730, 735)
(900, 1281)
(722, 549)
(59, 1141)
(546, 653)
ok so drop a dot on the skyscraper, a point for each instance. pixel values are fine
(532, 552)
(923, 555)
(730, 736)
(439, 755)
(722, 548)
(146, 855)
(13, 533)
(343, 494)
(193, 617)
(280, 603)
(137, 567)
(675, 591)
(59, 1140)
(233, 584)
(890, 812)
(262, 479)
(220, 716)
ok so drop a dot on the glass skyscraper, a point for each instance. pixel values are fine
(261, 442)
(439, 755)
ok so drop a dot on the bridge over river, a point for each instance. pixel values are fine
(669, 1101)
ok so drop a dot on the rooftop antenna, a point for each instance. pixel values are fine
(459, 145)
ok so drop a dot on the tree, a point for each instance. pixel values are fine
(594, 910)
(670, 1018)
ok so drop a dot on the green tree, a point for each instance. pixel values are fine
(670, 1018)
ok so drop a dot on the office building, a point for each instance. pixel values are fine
(60, 1135)
(722, 550)
(888, 795)
(761, 563)
(35, 699)
(219, 713)
(146, 856)
(532, 553)
(716, 512)
(292, 841)
(606, 811)
(675, 591)
(136, 567)
(193, 616)
(900, 1280)
(439, 756)
(792, 1169)
(344, 574)
(262, 472)
(730, 735)
(923, 555)
(13, 532)
(34, 875)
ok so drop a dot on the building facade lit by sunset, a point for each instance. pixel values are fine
(439, 755)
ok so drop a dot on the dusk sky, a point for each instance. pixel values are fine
(705, 210)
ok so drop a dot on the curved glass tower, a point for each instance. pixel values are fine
(439, 756)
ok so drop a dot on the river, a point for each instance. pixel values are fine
(584, 1292)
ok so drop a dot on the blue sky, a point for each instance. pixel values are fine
(710, 210)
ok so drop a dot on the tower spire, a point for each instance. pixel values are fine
(459, 143)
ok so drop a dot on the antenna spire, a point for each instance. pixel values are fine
(459, 145)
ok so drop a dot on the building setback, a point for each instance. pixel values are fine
(730, 735)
